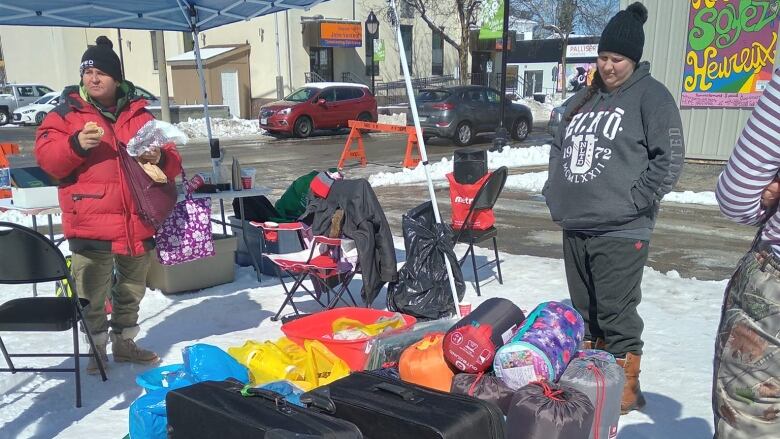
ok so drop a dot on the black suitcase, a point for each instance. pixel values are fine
(383, 408)
(217, 409)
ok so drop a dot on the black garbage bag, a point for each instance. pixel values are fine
(423, 289)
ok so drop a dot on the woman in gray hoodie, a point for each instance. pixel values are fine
(619, 152)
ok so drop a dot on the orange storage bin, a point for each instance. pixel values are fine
(319, 327)
(423, 363)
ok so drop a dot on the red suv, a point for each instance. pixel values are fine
(318, 105)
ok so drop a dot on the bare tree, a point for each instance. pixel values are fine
(454, 24)
(562, 17)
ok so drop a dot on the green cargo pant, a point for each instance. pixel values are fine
(746, 384)
(93, 273)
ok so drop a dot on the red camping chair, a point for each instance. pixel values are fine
(330, 264)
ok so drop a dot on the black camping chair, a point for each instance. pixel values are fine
(31, 258)
(485, 199)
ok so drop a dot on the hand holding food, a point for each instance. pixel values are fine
(89, 137)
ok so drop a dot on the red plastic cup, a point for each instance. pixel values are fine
(246, 182)
(465, 308)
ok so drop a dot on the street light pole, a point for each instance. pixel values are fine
(500, 140)
(372, 31)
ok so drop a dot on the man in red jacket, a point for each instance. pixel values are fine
(78, 143)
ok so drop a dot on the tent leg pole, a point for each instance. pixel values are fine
(421, 144)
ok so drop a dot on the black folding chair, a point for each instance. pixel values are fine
(485, 199)
(30, 257)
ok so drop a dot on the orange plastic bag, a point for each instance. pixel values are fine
(423, 363)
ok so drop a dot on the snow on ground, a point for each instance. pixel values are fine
(680, 316)
(393, 119)
(13, 216)
(510, 157)
(222, 128)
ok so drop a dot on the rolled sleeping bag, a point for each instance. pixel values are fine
(423, 364)
(542, 347)
(602, 382)
(471, 344)
(485, 387)
(543, 410)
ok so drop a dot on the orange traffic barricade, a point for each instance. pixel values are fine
(411, 157)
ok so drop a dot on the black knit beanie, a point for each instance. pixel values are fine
(102, 56)
(624, 34)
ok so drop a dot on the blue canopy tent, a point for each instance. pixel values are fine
(171, 15)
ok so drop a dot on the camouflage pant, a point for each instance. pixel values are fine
(746, 384)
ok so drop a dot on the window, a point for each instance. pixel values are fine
(437, 53)
(189, 43)
(302, 95)
(347, 93)
(26, 92)
(43, 90)
(532, 82)
(473, 95)
(432, 95)
(406, 35)
(144, 94)
(493, 97)
(154, 49)
(329, 95)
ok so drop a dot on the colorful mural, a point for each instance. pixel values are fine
(730, 52)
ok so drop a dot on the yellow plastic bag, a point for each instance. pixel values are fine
(272, 361)
(322, 366)
(368, 329)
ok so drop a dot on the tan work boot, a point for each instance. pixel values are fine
(100, 340)
(632, 394)
(599, 343)
(125, 350)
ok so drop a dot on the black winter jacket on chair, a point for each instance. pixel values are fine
(365, 223)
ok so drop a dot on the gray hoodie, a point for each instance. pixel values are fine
(621, 153)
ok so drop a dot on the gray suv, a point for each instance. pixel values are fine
(462, 112)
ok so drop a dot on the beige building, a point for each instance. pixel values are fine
(327, 42)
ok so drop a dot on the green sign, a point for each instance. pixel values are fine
(491, 14)
(379, 50)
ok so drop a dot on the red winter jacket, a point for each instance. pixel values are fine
(98, 211)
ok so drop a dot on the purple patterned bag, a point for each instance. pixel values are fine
(542, 347)
(186, 234)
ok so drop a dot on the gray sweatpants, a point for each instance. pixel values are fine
(604, 275)
(746, 381)
(92, 271)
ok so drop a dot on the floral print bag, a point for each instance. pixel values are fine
(186, 235)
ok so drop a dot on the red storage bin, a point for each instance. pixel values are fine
(319, 327)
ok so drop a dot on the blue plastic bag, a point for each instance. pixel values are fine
(205, 362)
(148, 418)
(172, 376)
(290, 391)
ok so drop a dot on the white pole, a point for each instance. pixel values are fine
(215, 162)
(189, 11)
(421, 143)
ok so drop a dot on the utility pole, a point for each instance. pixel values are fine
(279, 78)
(162, 72)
